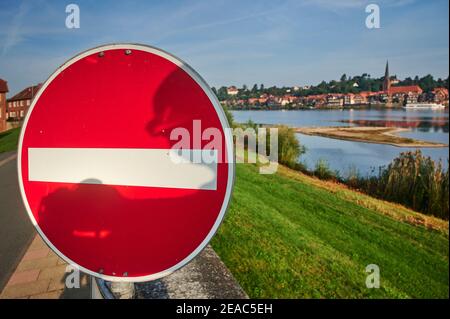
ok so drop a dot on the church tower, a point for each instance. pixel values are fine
(387, 80)
(387, 86)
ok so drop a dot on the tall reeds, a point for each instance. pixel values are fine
(413, 180)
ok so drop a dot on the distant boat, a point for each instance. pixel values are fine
(424, 106)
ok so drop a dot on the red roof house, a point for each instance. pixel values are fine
(405, 89)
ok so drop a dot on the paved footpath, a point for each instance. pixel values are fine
(42, 274)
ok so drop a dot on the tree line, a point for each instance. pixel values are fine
(346, 84)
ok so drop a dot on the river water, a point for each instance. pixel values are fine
(429, 125)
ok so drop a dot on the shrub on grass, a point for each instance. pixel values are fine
(229, 116)
(289, 148)
(322, 170)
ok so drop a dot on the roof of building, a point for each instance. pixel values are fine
(442, 90)
(369, 93)
(3, 86)
(405, 89)
(316, 96)
(27, 93)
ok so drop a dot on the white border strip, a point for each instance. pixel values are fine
(164, 168)
(228, 151)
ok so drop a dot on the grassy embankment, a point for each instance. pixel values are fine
(292, 236)
(9, 140)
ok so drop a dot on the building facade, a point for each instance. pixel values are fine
(405, 94)
(3, 91)
(18, 105)
(440, 95)
(232, 90)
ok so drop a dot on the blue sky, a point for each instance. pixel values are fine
(234, 42)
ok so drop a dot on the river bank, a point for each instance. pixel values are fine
(368, 134)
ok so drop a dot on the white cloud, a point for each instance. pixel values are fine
(14, 33)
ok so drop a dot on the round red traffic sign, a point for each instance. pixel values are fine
(97, 168)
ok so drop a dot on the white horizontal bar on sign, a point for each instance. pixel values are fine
(125, 166)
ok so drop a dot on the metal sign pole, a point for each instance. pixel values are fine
(122, 290)
(102, 289)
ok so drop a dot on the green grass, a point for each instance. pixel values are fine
(9, 140)
(288, 237)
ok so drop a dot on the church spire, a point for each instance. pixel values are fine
(387, 79)
(386, 73)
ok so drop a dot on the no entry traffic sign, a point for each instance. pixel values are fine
(96, 163)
